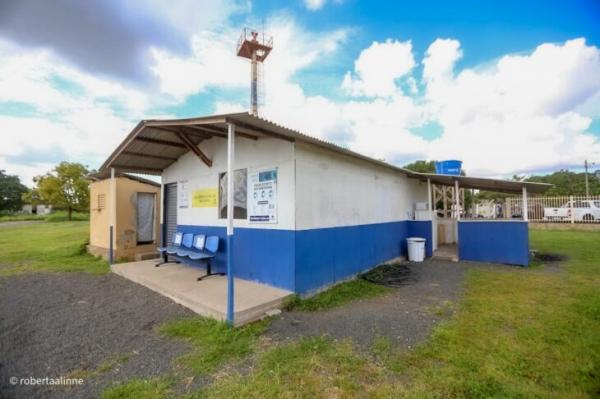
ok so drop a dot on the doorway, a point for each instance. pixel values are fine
(169, 213)
(146, 204)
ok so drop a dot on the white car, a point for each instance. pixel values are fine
(584, 210)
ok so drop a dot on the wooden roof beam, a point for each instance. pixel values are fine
(221, 132)
(136, 168)
(173, 129)
(194, 148)
(152, 156)
(161, 142)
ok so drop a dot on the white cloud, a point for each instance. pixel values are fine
(440, 58)
(65, 112)
(515, 114)
(314, 5)
(378, 67)
(520, 113)
(212, 63)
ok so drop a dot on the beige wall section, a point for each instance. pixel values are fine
(126, 218)
(99, 218)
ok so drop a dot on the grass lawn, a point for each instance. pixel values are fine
(518, 333)
(338, 295)
(214, 343)
(52, 247)
(157, 388)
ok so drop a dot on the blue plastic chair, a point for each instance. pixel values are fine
(186, 245)
(199, 241)
(211, 246)
(171, 249)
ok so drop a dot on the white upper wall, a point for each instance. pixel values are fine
(334, 190)
(264, 153)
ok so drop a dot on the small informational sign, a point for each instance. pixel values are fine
(183, 194)
(205, 198)
(262, 196)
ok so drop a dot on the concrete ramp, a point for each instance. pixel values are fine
(207, 297)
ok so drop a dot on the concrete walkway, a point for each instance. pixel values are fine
(207, 297)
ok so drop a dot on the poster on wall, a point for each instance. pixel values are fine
(182, 194)
(205, 198)
(262, 196)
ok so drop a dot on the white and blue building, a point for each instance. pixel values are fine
(307, 213)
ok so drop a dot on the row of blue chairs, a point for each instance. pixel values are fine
(197, 247)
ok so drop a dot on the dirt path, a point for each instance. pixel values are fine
(64, 324)
(405, 316)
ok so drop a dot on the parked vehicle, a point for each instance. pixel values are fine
(583, 210)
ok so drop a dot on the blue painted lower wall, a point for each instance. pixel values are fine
(304, 261)
(497, 242)
(328, 255)
(263, 255)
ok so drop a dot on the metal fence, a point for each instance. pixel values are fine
(564, 209)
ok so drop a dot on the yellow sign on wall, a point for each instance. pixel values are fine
(205, 198)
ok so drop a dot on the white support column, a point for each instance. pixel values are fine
(429, 198)
(112, 215)
(525, 207)
(230, 208)
(456, 199)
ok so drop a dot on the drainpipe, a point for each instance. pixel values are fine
(230, 207)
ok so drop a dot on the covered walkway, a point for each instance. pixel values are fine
(207, 297)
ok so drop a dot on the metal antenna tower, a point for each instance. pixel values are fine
(256, 47)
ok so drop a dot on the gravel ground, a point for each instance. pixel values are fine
(64, 324)
(405, 316)
(56, 324)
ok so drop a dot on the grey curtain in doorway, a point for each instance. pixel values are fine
(145, 217)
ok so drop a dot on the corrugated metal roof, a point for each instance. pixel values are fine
(98, 176)
(483, 183)
(153, 145)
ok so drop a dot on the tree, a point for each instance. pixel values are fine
(568, 183)
(66, 187)
(421, 166)
(11, 192)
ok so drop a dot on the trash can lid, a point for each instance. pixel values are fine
(415, 239)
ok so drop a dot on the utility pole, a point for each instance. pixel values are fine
(587, 184)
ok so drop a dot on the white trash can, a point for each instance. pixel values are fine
(416, 249)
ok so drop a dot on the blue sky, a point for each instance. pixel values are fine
(509, 87)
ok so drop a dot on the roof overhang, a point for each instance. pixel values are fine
(154, 145)
(482, 183)
(105, 174)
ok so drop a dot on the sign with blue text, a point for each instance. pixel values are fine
(262, 196)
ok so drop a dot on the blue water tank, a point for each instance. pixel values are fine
(449, 167)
